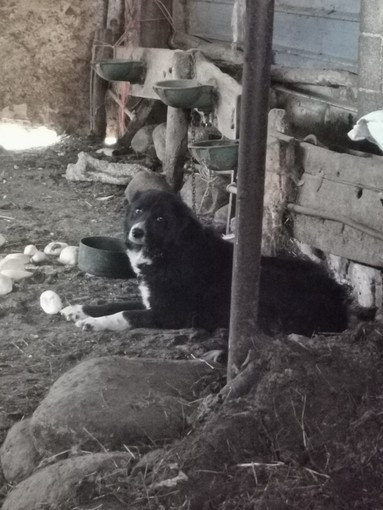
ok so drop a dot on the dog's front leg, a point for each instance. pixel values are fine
(76, 313)
(119, 321)
(114, 322)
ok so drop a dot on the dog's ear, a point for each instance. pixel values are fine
(126, 206)
(189, 223)
(136, 195)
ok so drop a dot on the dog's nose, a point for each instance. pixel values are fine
(137, 233)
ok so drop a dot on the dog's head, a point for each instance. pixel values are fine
(157, 220)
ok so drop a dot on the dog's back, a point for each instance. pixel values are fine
(189, 275)
(298, 296)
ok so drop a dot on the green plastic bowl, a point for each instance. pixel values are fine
(185, 94)
(217, 155)
(104, 256)
(121, 70)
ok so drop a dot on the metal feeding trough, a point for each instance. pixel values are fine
(121, 70)
(104, 256)
(185, 94)
(216, 155)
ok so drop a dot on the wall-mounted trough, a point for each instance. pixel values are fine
(121, 70)
(217, 155)
(185, 94)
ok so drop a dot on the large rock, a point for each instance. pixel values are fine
(144, 181)
(209, 197)
(142, 141)
(18, 454)
(159, 141)
(115, 401)
(70, 482)
(88, 168)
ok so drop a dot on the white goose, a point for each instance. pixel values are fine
(369, 127)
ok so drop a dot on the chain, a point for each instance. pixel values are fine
(193, 169)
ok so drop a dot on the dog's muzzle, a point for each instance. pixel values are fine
(137, 234)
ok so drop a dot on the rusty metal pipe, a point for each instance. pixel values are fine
(251, 181)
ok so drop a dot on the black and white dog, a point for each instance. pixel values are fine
(184, 273)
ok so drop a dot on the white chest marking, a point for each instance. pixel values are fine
(137, 259)
(145, 294)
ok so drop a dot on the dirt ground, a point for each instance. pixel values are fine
(38, 205)
(307, 435)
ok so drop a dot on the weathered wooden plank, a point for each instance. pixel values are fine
(361, 171)
(342, 185)
(338, 239)
(361, 205)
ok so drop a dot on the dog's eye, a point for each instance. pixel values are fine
(137, 212)
(160, 219)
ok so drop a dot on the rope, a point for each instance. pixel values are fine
(124, 90)
(209, 178)
(165, 12)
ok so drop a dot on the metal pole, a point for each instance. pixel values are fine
(251, 181)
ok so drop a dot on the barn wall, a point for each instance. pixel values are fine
(317, 33)
(45, 50)
(370, 94)
(307, 33)
(210, 18)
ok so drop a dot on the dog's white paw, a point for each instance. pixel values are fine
(114, 322)
(73, 313)
(90, 324)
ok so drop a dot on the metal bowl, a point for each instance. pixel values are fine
(217, 155)
(185, 94)
(121, 70)
(104, 256)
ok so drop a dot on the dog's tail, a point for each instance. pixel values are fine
(359, 314)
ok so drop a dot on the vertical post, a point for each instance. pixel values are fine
(155, 23)
(251, 181)
(133, 27)
(102, 48)
(177, 123)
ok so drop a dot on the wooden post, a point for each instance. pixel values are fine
(251, 182)
(177, 124)
(155, 27)
(102, 49)
(148, 23)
